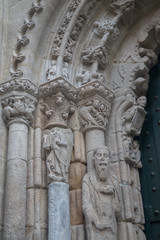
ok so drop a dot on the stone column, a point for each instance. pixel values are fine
(94, 110)
(18, 113)
(57, 143)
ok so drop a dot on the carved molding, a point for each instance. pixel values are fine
(18, 107)
(22, 39)
(92, 88)
(19, 85)
(58, 84)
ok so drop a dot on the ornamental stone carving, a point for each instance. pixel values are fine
(94, 114)
(18, 107)
(58, 144)
(101, 198)
(87, 76)
(56, 109)
(92, 54)
(106, 26)
(133, 118)
(19, 85)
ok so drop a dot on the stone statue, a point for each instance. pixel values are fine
(135, 154)
(133, 118)
(100, 198)
(51, 72)
(58, 147)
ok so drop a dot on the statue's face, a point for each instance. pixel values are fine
(102, 159)
(142, 101)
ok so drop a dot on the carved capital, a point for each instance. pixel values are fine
(18, 108)
(56, 109)
(58, 143)
(94, 105)
(57, 99)
(94, 113)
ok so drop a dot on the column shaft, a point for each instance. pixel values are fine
(15, 198)
(58, 211)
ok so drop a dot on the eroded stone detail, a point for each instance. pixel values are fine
(19, 85)
(22, 40)
(57, 109)
(91, 54)
(18, 107)
(94, 114)
(100, 198)
(133, 118)
(87, 76)
(106, 26)
(58, 144)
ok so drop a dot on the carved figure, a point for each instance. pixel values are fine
(100, 196)
(133, 118)
(126, 147)
(135, 154)
(87, 76)
(94, 113)
(92, 54)
(58, 147)
(51, 72)
(18, 107)
(65, 70)
(106, 26)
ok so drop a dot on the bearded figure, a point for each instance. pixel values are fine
(101, 198)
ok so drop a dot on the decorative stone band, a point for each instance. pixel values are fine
(18, 107)
(19, 85)
(58, 85)
(92, 88)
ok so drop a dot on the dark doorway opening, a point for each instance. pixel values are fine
(150, 150)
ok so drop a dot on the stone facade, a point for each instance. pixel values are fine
(73, 80)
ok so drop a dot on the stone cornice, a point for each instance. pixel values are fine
(58, 85)
(19, 85)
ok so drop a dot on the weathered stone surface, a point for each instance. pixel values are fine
(77, 232)
(76, 214)
(79, 147)
(75, 176)
(58, 143)
(101, 201)
(58, 211)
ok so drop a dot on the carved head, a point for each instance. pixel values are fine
(59, 98)
(141, 101)
(96, 103)
(101, 157)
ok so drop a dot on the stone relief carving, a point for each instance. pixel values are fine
(19, 85)
(124, 9)
(106, 26)
(133, 118)
(57, 109)
(58, 144)
(75, 31)
(22, 40)
(18, 107)
(101, 198)
(94, 114)
(51, 72)
(92, 88)
(92, 54)
(58, 85)
(87, 76)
